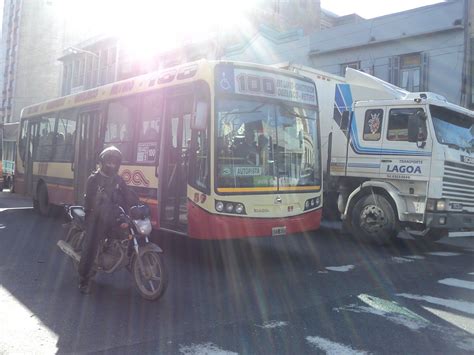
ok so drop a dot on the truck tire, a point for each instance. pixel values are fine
(373, 220)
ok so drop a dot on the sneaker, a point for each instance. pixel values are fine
(85, 287)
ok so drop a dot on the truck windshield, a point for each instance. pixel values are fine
(264, 144)
(453, 128)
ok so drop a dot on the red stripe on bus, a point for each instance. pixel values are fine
(204, 225)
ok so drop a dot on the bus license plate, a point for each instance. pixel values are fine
(276, 231)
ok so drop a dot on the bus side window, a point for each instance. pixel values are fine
(46, 139)
(22, 140)
(149, 129)
(65, 137)
(119, 132)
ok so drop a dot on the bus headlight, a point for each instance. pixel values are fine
(312, 203)
(239, 208)
(219, 206)
(230, 207)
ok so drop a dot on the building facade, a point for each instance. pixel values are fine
(34, 34)
(419, 50)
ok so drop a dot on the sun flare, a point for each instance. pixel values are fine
(145, 26)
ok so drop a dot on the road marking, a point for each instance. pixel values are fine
(465, 323)
(331, 347)
(273, 324)
(389, 310)
(444, 253)
(463, 306)
(344, 268)
(204, 349)
(415, 257)
(400, 260)
(458, 283)
(471, 273)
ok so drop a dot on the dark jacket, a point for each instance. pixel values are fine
(103, 191)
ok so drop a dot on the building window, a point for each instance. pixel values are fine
(353, 65)
(409, 71)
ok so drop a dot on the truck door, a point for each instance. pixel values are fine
(403, 160)
(366, 142)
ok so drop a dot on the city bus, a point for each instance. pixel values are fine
(218, 150)
(8, 136)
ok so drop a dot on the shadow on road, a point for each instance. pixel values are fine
(210, 282)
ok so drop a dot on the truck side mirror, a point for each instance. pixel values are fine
(416, 123)
(199, 121)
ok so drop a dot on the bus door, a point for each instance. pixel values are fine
(86, 148)
(32, 135)
(176, 139)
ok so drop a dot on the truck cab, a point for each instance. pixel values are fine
(394, 160)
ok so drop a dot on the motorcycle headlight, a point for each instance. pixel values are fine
(143, 226)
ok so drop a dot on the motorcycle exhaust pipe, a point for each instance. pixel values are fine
(68, 250)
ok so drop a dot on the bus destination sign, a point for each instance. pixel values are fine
(266, 84)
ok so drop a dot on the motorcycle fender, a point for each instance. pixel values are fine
(149, 247)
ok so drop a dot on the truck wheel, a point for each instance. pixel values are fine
(44, 208)
(373, 220)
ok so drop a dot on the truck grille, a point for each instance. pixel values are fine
(458, 184)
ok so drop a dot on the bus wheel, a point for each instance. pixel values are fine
(44, 208)
(373, 219)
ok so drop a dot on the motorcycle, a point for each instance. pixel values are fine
(128, 245)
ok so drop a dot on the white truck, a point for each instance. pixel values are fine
(394, 159)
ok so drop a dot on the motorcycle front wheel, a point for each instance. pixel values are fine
(151, 281)
(75, 238)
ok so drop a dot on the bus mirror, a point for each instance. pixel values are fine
(200, 116)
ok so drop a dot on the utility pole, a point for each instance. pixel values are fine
(466, 81)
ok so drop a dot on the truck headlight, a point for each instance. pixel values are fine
(436, 205)
(430, 204)
(442, 205)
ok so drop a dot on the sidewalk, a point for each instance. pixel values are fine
(9, 200)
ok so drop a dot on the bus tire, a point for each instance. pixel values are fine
(44, 207)
(373, 220)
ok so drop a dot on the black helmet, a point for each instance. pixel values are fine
(110, 159)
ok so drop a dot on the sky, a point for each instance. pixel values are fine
(372, 8)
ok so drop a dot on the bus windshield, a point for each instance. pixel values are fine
(266, 144)
(453, 128)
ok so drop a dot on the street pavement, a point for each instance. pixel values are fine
(312, 293)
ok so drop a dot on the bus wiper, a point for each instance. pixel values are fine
(254, 110)
(291, 112)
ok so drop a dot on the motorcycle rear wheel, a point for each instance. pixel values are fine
(152, 281)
